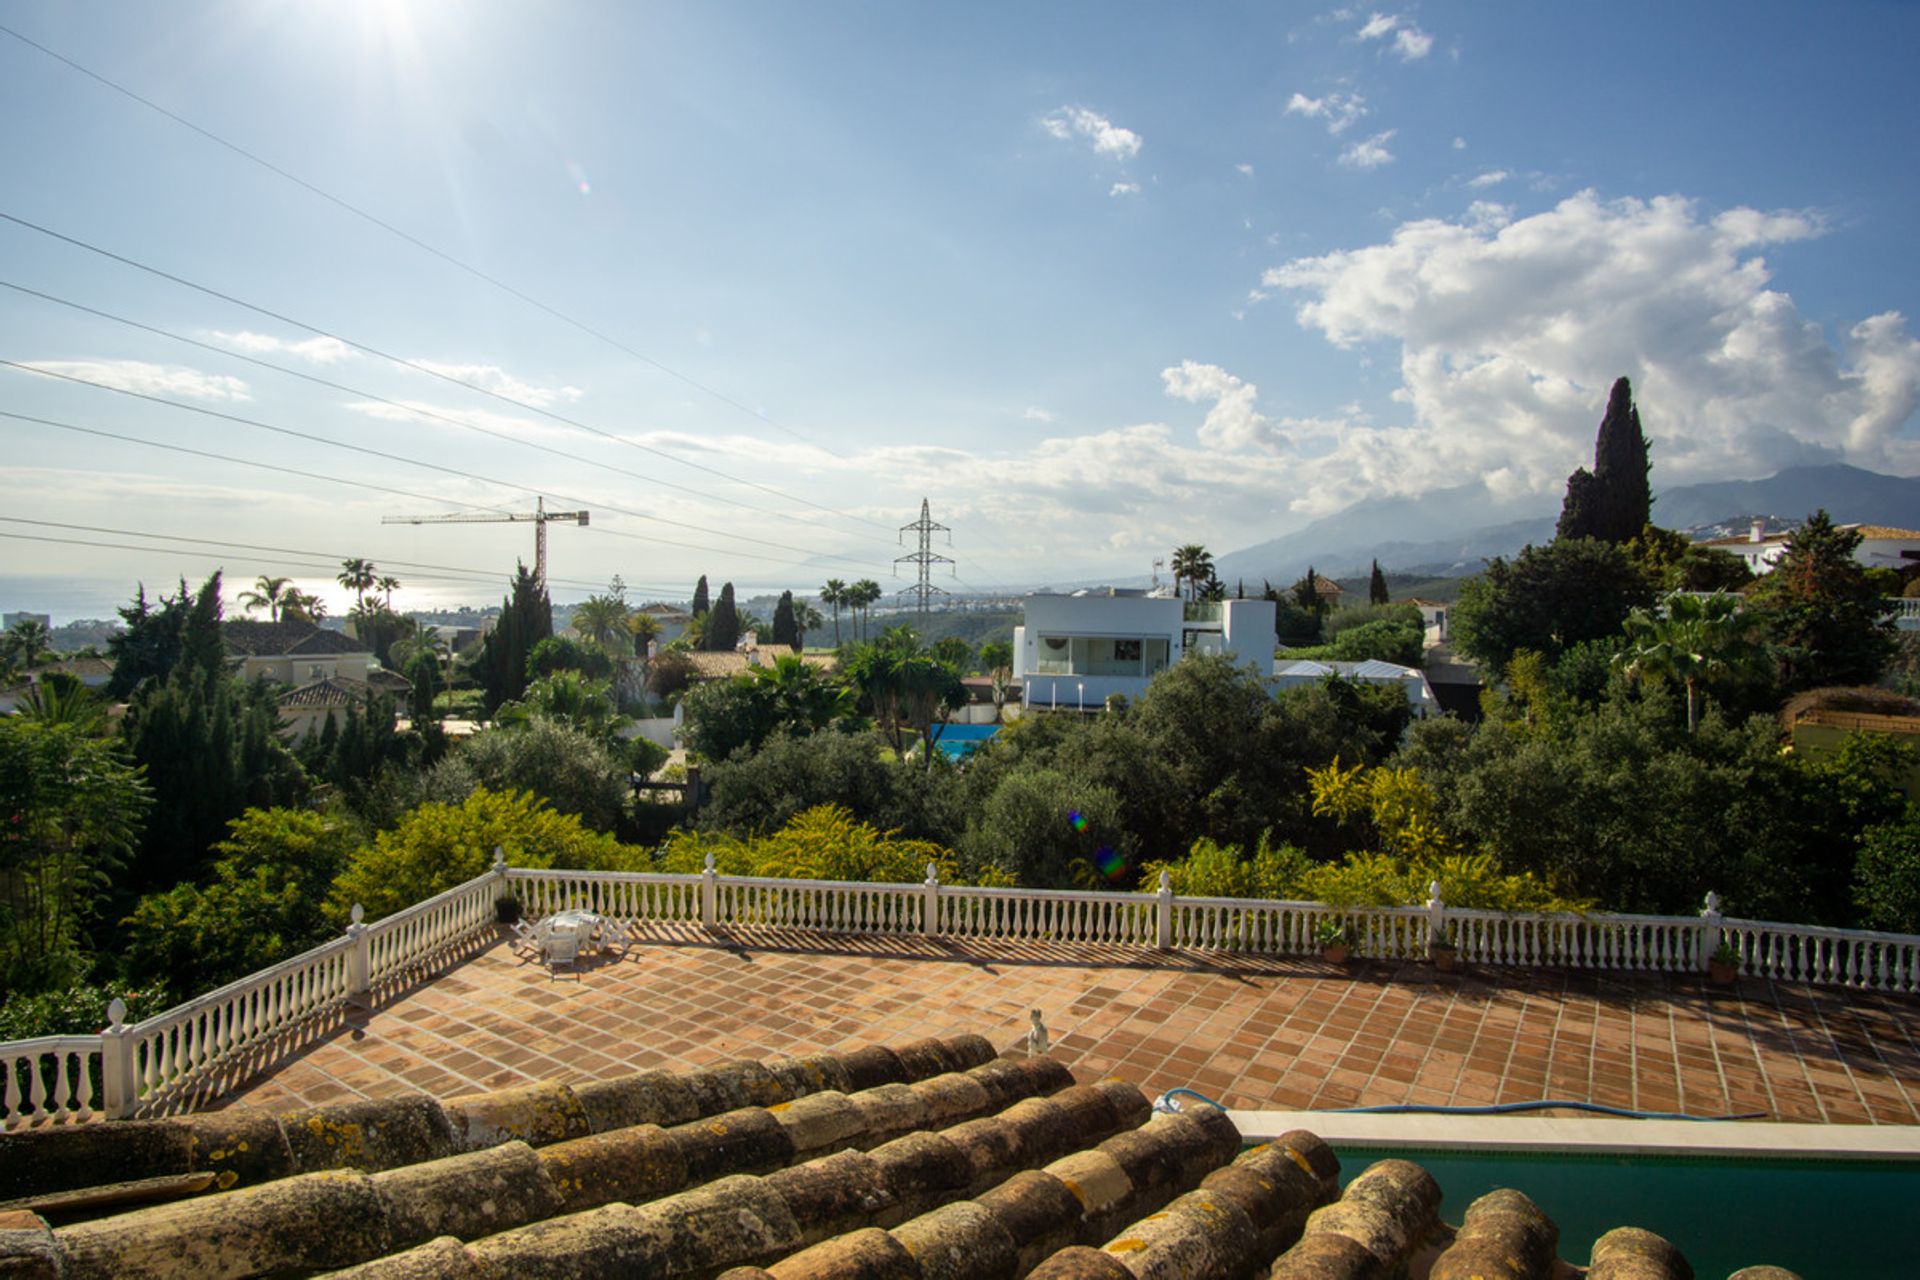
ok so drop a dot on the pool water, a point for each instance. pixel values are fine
(1832, 1219)
(957, 741)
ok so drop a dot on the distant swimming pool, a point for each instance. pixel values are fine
(1826, 1218)
(958, 741)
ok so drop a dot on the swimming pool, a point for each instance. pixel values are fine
(1825, 1218)
(958, 741)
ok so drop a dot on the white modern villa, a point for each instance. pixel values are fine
(1076, 650)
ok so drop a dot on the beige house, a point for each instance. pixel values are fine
(295, 653)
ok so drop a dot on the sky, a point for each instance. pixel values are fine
(749, 281)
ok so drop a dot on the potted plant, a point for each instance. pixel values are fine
(1723, 966)
(1442, 951)
(1331, 934)
(507, 910)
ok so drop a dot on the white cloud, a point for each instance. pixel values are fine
(1033, 413)
(491, 377)
(1245, 169)
(426, 413)
(1491, 178)
(1378, 25)
(1124, 189)
(1108, 138)
(316, 350)
(1510, 333)
(1412, 44)
(1233, 425)
(1339, 110)
(1369, 153)
(149, 379)
(1459, 144)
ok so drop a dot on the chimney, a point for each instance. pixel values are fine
(1759, 531)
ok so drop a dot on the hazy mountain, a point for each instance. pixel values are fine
(1453, 530)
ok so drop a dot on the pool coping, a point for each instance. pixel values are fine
(1591, 1135)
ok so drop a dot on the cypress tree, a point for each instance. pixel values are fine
(723, 623)
(701, 603)
(1377, 586)
(526, 618)
(1613, 502)
(785, 630)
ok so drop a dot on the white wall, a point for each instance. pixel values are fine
(1243, 633)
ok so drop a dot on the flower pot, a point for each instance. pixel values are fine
(1722, 973)
(1445, 959)
(1334, 953)
(506, 910)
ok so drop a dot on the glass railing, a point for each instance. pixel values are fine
(1205, 610)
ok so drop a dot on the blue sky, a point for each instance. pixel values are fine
(1095, 280)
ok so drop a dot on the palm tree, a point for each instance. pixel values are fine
(28, 642)
(358, 576)
(268, 593)
(1695, 640)
(997, 657)
(302, 606)
(862, 595)
(907, 686)
(388, 584)
(805, 618)
(602, 619)
(804, 699)
(834, 594)
(643, 627)
(1192, 564)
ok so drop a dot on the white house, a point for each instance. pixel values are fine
(1413, 681)
(1881, 546)
(1075, 650)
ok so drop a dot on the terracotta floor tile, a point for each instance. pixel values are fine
(1266, 1033)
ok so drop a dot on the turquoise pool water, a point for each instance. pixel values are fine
(957, 741)
(1834, 1220)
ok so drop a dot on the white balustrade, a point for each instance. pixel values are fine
(149, 1066)
(49, 1078)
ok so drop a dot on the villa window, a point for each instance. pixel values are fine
(1101, 656)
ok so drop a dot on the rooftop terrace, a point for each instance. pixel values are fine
(1255, 1033)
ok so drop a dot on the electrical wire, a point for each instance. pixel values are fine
(329, 557)
(442, 467)
(413, 240)
(414, 410)
(418, 367)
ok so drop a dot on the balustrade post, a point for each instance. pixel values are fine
(1436, 915)
(359, 958)
(930, 902)
(1163, 914)
(118, 1088)
(502, 888)
(1706, 939)
(709, 896)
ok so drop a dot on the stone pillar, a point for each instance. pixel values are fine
(930, 902)
(1706, 939)
(502, 887)
(1163, 914)
(119, 1090)
(1436, 914)
(359, 962)
(709, 896)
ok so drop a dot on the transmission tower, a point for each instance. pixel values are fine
(923, 591)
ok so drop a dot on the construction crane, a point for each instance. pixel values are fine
(539, 517)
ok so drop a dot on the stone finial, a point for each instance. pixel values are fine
(1713, 904)
(710, 864)
(358, 913)
(116, 1012)
(933, 874)
(1166, 883)
(499, 859)
(1433, 894)
(1037, 1036)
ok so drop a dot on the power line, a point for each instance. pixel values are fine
(418, 367)
(411, 409)
(415, 241)
(447, 573)
(435, 466)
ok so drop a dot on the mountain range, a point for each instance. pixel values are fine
(1451, 531)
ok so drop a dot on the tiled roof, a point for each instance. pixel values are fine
(79, 668)
(1887, 532)
(384, 681)
(252, 639)
(327, 693)
(932, 1160)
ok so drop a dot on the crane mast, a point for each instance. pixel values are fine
(539, 518)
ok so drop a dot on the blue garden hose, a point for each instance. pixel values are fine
(1165, 1103)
